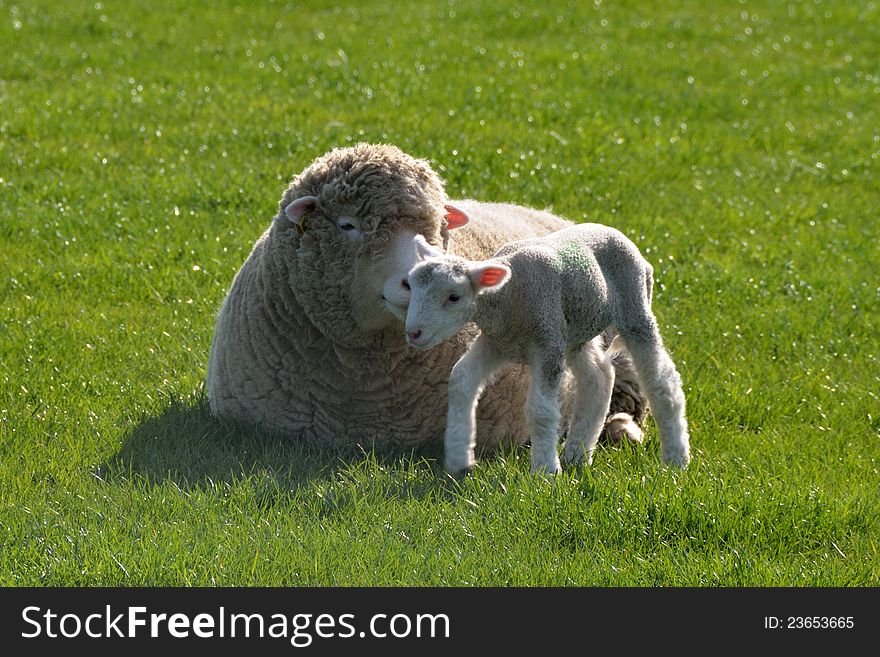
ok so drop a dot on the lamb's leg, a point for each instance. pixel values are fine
(466, 382)
(594, 374)
(662, 386)
(542, 412)
(628, 407)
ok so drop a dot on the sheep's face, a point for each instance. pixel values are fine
(380, 292)
(443, 293)
(352, 225)
(407, 249)
(350, 271)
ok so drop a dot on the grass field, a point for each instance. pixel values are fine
(143, 150)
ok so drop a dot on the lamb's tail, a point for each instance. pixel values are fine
(615, 347)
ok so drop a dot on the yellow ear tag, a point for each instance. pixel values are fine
(301, 227)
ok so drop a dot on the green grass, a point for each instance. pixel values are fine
(143, 150)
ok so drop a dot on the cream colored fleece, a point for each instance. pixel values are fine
(289, 351)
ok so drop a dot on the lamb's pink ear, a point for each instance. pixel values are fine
(455, 218)
(299, 208)
(490, 275)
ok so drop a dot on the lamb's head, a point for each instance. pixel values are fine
(444, 290)
(349, 229)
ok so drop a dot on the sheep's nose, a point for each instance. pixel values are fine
(414, 335)
(404, 284)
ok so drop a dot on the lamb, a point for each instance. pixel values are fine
(308, 340)
(545, 302)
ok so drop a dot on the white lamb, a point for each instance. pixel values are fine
(543, 302)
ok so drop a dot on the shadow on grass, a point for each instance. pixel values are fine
(188, 446)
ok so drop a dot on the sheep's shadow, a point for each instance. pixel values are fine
(189, 447)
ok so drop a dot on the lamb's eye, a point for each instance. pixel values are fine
(344, 225)
(453, 298)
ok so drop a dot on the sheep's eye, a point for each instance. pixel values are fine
(453, 298)
(351, 227)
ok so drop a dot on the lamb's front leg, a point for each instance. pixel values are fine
(466, 382)
(542, 410)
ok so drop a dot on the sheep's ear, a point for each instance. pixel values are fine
(298, 209)
(491, 275)
(455, 218)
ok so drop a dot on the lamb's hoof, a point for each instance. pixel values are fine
(679, 459)
(546, 469)
(621, 426)
(459, 470)
(576, 456)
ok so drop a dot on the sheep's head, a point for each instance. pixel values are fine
(350, 227)
(444, 290)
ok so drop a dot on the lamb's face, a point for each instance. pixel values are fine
(442, 294)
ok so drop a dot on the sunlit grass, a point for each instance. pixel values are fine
(143, 149)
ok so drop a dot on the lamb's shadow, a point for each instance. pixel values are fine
(191, 448)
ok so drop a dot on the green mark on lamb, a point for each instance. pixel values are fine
(570, 255)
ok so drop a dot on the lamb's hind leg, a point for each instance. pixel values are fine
(594, 375)
(628, 406)
(542, 411)
(662, 385)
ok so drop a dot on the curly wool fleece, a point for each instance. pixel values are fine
(300, 344)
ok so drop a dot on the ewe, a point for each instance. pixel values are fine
(545, 302)
(308, 340)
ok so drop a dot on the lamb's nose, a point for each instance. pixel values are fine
(415, 335)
